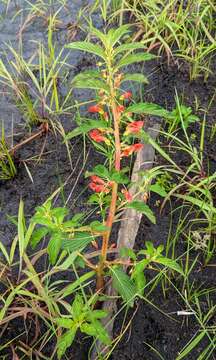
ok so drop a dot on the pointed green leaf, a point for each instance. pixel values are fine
(37, 235)
(87, 80)
(88, 47)
(148, 109)
(54, 247)
(143, 208)
(77, 306)
(65, 323)
(86, 127)
(114, 35)
(80, 241)
(65, 341)
(135, 77)
(171, 264)
(129, 47)
(134, 58)
(124, 285)
(158, 189)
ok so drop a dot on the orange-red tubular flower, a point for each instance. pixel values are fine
(97, 135)
(95, 109)
(127, 195)
(98, 185)
(96, 179)
(129, 150)
(127, 95)
(120, 108)
(134, 127)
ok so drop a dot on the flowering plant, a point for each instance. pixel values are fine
(116, 130)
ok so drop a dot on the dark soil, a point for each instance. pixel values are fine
(149, 327)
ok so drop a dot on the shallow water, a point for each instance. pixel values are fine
(23, 36)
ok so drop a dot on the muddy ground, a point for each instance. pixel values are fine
(149, 327)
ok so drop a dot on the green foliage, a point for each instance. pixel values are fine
(64, 234)
(84, 318)
(142, 208)
(129, 287)
(181, 114)
(7, 166)
(180, 29)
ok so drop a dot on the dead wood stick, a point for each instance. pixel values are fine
(128, 230)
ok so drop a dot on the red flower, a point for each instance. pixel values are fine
(96, 179)
(127, 195)
(134, 127)
(98, 185)
(126, 95)
(120, 108)
(95, 109)
(129, 150)
(97, 135)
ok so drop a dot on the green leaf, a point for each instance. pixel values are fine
(140, 281)
(54, 247)
(78, 242)
(65, 341)
(42, 220)
(114, 35)
(88, 329)
(21, 228)
(37, 235)
(89, 81)
(101, 332)
(65, 323)
(86, 127)
(134, 58)
(127, 252)
(68, 290)
(99, 314)
(148, 109)
(4, 252)
(202, 204)
(128, 47)
(158, 189)
(171, 264)
(143, 208)
(88, 47)
(96, 329)
(99, 170)
(124, 285)
(135, 77)
(119, 177)
(98, 226)
(192, 344)
(75, 221)
(77, 306)
(59, 213)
